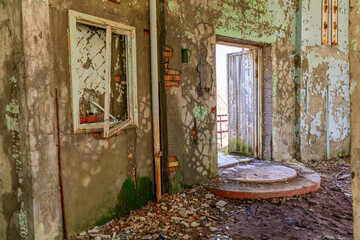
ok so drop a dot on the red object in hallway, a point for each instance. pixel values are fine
(89, 119)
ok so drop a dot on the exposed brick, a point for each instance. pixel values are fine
(120, 132)
(176, 78)
(172, 84)
(172, 169)
(167, 54)
(169, 49)
(166, 65)
(168, 77)
(172, 159)
(97, 134)
(166, 60)
(173, 72)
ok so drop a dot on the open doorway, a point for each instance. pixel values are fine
(238, 98)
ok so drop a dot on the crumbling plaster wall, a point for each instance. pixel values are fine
(354, 32)
(15, 194)
(302, 70)
(94, 169)
(33, 64)
(39, 119)
(322, 67)
(194, 25)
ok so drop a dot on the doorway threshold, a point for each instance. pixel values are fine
(228, 160)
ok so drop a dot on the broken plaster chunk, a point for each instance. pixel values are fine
(182, 213)
(103, 236)
(176, 218)
(194, 224)
(165, 229)
(221, 204)
(93, 231)
(213, 229)
(147, 237)
(209, 196)
(185, 224)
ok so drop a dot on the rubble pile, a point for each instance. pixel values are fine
(194, 214)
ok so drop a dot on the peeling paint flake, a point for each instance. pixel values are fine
(353, 86)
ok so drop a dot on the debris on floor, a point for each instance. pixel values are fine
(198, 214)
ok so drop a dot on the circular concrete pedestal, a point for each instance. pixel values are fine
(259, 173)
(305, 181)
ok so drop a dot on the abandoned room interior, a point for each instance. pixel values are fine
(167, 119)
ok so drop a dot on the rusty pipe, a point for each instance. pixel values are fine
(155, 96)
(60, 166)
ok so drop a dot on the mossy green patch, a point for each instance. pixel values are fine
(133, 197)
(240, 146)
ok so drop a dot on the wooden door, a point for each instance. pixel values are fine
(241, 102)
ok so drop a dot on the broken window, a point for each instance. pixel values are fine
(329, 22)
(103, 74)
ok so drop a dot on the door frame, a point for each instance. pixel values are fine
(258, 150)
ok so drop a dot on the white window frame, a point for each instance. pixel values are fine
(108, 128)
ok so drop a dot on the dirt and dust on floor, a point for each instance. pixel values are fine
(198, 214)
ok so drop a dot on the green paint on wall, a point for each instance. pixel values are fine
(13, 107)
(275, 81)
(200, 113)
(354, 44)
(358, 5)
(22, 217)
(261, 21)
(357, 29)
(173, 6)
(13, 80)
(12, 123)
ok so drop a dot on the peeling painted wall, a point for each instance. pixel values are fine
(302, 69)
(267, 22)
(354, 32)
(94, 169)
(39, 119)
(297, 67)
(34, 62)
(322, 67)
(16, 220)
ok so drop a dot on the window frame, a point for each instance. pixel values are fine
(107, 128)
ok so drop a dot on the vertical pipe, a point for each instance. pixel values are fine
(334, 22)
(60, 167)
(260, 104)
(325, 22)
(155, 96)
(108, 83)
(327, 123)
